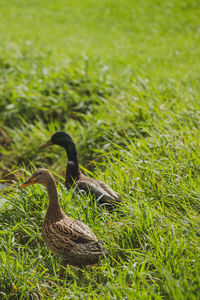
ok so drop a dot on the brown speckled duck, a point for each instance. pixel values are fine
(73, 240)
(74, 177)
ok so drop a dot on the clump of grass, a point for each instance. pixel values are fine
(145, 148)
(151, 249)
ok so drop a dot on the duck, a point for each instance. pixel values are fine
(68, 238)
(104, 195)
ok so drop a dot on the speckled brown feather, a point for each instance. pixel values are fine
(73, 241)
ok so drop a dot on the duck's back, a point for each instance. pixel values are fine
(73, 240)
(98, 189)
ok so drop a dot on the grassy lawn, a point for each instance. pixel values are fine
(122, 78)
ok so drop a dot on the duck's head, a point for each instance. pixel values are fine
(64, 140)
(59, 138)
(41, 176)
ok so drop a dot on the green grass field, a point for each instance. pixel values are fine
(122, 78)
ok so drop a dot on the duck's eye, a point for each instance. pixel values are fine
(39, 173)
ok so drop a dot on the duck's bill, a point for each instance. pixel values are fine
(27, 183)
(49, 143)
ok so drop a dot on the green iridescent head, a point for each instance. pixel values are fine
(64, 140)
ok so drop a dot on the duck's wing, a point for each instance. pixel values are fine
(109, 190)
(100, 190)
(74, 230)
(68, 235)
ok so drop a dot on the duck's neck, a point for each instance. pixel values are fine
(54, 210)
(73, 172)
(70, 148)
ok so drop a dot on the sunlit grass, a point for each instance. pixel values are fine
(122, 79)
(152, 239)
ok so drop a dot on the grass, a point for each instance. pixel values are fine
(122, 79)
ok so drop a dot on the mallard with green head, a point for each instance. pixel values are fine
(74, 177)
(73, 240)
